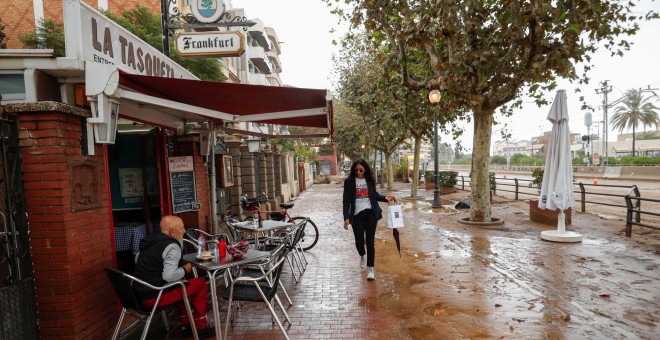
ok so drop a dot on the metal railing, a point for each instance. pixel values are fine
(631, 199)
(636, 210)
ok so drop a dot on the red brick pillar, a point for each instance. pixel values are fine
(71, 239)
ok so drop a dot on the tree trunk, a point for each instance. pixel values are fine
(483, 127)
(390, 175)
(633, 146)
(415, 176)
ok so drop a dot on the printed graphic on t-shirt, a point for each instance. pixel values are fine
(361, 189)
(361, 195)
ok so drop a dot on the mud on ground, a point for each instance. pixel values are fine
(457, 281)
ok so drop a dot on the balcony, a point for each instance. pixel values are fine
(275, 61)
(258, 57)
(258, 34)
(274, 79)
(257, 79)
(274, 41)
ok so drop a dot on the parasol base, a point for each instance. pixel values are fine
(557, 236)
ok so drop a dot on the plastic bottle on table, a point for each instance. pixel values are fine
(222, 248)
(200, 245)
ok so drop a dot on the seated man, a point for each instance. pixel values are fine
(158, 263)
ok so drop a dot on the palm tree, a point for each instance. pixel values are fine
(634, 111)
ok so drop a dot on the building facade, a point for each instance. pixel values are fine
(98, 156)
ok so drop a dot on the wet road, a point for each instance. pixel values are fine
(455, 281)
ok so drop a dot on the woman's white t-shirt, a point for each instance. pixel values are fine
(361, 195)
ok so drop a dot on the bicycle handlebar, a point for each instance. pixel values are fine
(254, 200)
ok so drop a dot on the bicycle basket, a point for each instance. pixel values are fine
(250, 206)
(276, 216)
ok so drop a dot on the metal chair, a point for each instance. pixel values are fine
(193, 234)
(293, 243)
(232, 230)
(123, 285)
(292, 240)
(190, 247)
(256, 270)
(236, 236)
(259, 289)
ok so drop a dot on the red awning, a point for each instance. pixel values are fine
(245, 103)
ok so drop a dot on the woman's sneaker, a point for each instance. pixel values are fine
(371, 274)
(363, 262)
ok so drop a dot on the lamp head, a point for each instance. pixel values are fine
(253, 144)
(434, 96)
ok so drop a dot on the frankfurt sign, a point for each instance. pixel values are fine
(228, 44)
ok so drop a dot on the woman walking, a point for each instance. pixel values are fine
(361, 210)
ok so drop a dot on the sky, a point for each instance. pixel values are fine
(304, 30)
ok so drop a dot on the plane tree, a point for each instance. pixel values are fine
(485, 54)
(366, 96)
(349, 131)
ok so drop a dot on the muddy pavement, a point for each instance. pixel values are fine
(456, 281)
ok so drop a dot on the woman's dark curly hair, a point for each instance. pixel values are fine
(368, 175)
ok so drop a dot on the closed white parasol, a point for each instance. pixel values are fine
(557, 186)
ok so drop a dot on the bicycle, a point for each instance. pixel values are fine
(311, 235)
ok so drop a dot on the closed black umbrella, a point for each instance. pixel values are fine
(395, 233)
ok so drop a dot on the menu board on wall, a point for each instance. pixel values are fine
(182, 182)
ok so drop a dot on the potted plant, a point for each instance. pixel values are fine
(544, 216)
(446, 179)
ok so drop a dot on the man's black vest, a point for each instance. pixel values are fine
(149, 267)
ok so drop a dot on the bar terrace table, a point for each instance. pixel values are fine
(267, 225)
(218, 264)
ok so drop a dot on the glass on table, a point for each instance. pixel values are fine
(213, 248)
(255, 218)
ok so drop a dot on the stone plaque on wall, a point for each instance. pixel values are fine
(85, 185)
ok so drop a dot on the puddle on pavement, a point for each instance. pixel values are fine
(403, 290)
(431, 300)
(425, 206)
(596, 242)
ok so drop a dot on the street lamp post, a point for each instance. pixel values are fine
(434, 98)
(254, 144)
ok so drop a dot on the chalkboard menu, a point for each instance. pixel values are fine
(182, 182)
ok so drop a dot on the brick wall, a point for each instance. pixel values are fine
(118, 5)
(69, 249)
(21, 22)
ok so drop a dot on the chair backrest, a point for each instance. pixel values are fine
(193, 234)
(232, 230)
(189, 247)
(300, 231)
(279, 267)
(122, 283)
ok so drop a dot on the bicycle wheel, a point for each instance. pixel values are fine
(311, 235)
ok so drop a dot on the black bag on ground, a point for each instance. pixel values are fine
(464, 204)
